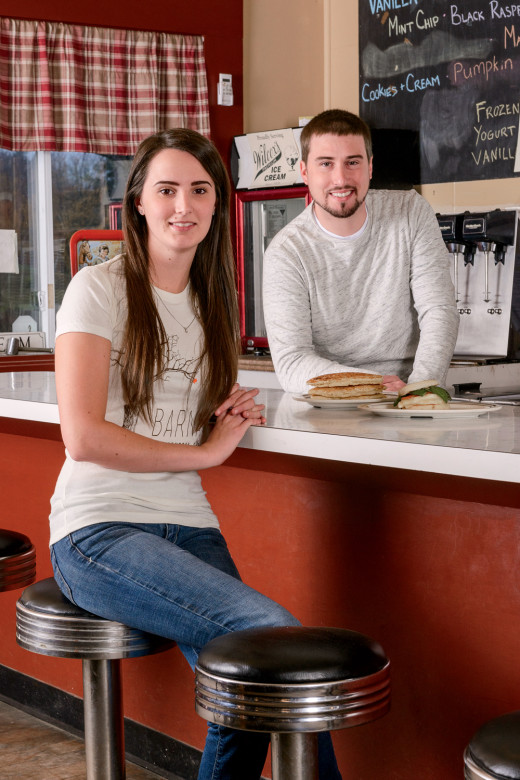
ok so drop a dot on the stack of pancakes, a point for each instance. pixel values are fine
(347, 385)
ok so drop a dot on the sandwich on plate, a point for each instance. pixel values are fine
(422, 395)
(347, 385)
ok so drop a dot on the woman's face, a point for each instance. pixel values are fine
(177, 201)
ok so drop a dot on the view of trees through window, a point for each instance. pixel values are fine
(18, 292)
(83, 186)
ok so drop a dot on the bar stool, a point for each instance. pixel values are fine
(494, 750)
(17, 560)
(49, 624)
(292, 682)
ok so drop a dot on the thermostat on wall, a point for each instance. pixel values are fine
(225, 90)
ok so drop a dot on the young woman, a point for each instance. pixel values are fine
(146, 356)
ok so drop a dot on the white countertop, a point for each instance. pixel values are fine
(486, 447)
(29, 395)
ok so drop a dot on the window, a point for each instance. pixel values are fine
(19, 292)
(45, 197)
(74, 99)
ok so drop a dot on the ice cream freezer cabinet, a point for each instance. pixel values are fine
(269, 193)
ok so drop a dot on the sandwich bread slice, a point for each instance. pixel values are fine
(422, 395)
(346, 385)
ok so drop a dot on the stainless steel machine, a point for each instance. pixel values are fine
(485, 247)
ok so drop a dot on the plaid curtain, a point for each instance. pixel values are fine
(66, 87)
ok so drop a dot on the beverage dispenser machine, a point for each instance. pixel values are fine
(269, 193)
(485, 247)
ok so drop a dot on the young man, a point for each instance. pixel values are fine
(361, 279)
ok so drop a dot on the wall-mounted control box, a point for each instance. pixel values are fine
(225, 90)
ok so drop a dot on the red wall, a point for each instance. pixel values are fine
(426, 565)
(219, 22)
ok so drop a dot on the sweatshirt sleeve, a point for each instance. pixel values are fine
(433, 295)
(287, 315)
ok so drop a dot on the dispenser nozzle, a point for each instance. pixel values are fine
(469, 254)
(500, 253)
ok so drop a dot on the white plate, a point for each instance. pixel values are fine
(335, 403)
(455, 409)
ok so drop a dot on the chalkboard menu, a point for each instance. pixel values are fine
(451, 73)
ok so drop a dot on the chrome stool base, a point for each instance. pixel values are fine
(49, 624)
(294, 755)
(292, 682)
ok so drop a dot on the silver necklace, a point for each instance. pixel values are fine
(184, 327)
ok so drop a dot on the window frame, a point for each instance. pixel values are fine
(45, 243)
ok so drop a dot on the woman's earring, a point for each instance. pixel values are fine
(140, 210)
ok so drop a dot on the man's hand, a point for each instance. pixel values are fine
(392, 383)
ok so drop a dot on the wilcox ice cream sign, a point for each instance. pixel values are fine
(268, 159)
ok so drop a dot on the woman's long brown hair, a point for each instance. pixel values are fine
(212, 287)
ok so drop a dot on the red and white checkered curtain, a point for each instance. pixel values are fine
(67, 87)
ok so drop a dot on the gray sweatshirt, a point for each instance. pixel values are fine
(382, 301)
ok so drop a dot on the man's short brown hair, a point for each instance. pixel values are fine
(337, 122)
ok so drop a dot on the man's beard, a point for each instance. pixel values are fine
(342, 211)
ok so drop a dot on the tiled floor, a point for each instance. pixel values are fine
(33, 750)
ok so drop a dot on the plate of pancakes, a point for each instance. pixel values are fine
(344, 390)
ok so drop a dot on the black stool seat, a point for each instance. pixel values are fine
(292, 682)
(17, 560)
(50, 624)
(45, 596)
(292, 655)
(494, 751)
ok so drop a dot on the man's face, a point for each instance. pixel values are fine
(338, 174)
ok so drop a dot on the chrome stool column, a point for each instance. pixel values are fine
(292, 682)
(49, 624)
(494, 750)
(17, 560)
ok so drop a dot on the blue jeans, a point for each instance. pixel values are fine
(178, 582)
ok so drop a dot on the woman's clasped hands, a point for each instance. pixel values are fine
(233, 418)
(241, 402)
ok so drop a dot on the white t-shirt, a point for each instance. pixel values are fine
(86, 493)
